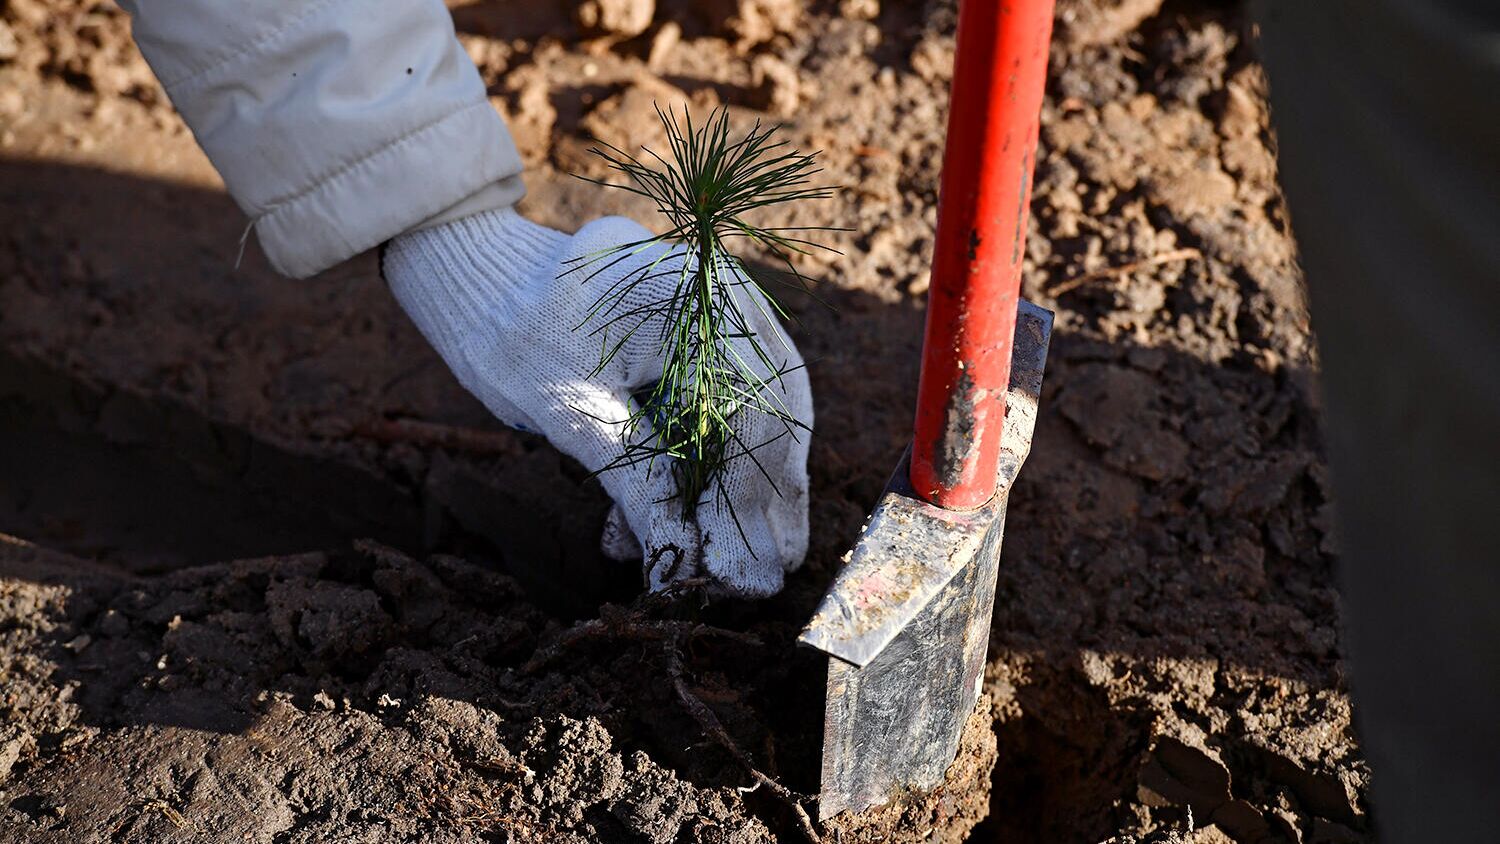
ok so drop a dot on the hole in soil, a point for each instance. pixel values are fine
(149, 484)
(1063, 766)
(137, 507)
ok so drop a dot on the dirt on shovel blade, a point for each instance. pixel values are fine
(269, 574)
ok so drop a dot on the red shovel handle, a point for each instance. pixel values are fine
(998, 78)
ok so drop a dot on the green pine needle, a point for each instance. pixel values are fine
(704, 186)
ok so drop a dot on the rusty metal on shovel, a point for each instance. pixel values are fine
(906, 622)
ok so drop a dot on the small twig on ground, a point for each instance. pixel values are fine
(172, 815)
(630, 627)
(710, 724)
(421, 434)
(1185, 254)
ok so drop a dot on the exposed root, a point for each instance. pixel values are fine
(614, 623)
(710, 724)
(677, 588)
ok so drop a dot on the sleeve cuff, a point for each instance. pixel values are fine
(459, 165)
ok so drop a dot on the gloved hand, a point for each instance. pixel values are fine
(493, 293)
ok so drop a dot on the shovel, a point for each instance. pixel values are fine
(906, 622)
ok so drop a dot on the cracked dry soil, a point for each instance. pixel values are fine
(1166, 629)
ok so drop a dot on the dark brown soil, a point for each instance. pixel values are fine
(1166, 631)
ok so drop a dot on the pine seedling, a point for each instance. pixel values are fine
(715, 365)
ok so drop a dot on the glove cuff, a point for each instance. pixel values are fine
(478, 244)
(452, 277)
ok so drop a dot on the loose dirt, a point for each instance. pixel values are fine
(387, 656)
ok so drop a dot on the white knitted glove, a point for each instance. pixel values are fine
(492, 293)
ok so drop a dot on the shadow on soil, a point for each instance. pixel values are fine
(149, 482)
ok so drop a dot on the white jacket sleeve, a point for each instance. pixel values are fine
(336, 124)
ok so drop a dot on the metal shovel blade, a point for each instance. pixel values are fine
(906, 622)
